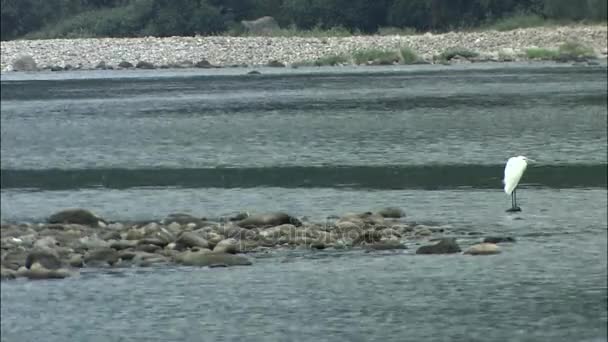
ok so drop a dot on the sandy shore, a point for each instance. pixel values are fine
(253, 51)
(76, 238)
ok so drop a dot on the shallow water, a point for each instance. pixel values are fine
(432, 140)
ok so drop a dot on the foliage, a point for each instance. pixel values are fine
(574, 50)
(65, 18)
(377, 56)
(408, 56)
(331, 60)
(544, 54)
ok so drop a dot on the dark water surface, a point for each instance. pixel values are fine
(317, 142)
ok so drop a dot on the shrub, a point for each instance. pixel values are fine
(24, 63)
(574, 50)
(408, 56)
(543, 54)
(377, 56)
(519, 21)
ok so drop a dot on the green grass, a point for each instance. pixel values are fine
(396, 31)
(540, 53)
(292, 31)
(573, 50)
(518, 21)
(408, 56)
(376, 56)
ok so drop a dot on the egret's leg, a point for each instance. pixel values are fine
(512, 200)
(515, 198)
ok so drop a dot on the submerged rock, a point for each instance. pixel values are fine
(78, 216)
(444, 246)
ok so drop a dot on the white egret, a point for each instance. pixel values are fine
(515, 168)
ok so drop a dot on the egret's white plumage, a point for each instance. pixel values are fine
(515, 168)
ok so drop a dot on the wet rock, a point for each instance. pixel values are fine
(101, 65)
(91, 242)
(368, 236)
(254, 72)
(45, 257)
(143, 259)
(111, 235)
(275, 64)
(239, 216)
(125, 65)
(14, 259)
(146, 247)
(444, 246)
(39, 272)
(153, 241)
(183, 219)
(269, 220)
(190, 239)
(227, 246)
(204, 64)
(423, 231)
(391, 212)
(46, 242)
(123, 244)
(482, 249)
(101, 257)
(144, 65)
(78, 216)
(498, 239)
(76, 261)
(7, 273)
(204, 258)
(135, 234)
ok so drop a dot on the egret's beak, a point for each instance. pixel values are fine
(531, 160)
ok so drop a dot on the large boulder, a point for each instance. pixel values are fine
(14, 259)
(444, 246)
(269, 220)
(78, 216)
(265, 24)
(207, 258)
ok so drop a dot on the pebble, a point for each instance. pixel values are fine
(90, 53)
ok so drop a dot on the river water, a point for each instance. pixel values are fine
(316, 142)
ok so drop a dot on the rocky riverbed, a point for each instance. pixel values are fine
(76, 238)
(223, 51)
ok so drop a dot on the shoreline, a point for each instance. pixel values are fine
(75, 239)
(226, 51)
